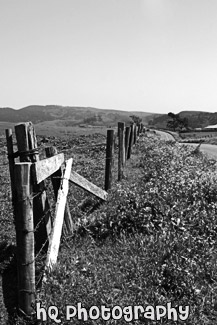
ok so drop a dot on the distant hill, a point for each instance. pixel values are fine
(196, 119)
(70, 116)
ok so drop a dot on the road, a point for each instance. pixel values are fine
(208, 149)
(164, 135)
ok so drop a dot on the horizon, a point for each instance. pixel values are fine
(154, 56)
(113, 109)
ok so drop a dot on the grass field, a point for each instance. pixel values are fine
(152, 243)
(52, 128)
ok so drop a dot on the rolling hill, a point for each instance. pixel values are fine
(56, 120)
(69, 115)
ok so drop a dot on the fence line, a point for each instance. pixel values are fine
(127, 137)
(37, 230)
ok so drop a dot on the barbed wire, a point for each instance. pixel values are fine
(37, 255)
(33, 196)
(34, 231)
(81, 147)
(49, 211)
(40, 278)
(38, 224)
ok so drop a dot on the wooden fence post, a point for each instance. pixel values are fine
(127, 140)
(121, 153)
(138, 131)
(27, 147)
(135, 134)
(115, 139)
(9, 139)
(25, 238)
(56, 181)
(109, 159)
(131, 141)
(54, 244)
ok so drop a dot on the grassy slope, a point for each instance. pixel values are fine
(153, 242)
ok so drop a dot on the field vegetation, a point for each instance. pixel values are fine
(153, 242)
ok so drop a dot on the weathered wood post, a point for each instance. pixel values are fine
(135, 134)
(28, 152)
(25, 238)
(9, 139)
(54, 244)
(109, 159)
(115, 139)
(56, 181)
(139, 126)
(127, 140)
(121, 151)
(131, 141)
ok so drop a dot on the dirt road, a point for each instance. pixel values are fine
(165, 136)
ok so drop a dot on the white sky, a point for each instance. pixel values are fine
(142, 55)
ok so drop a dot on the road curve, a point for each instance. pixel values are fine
(209, 149)
(164, 135)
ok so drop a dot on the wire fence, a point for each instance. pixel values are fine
(89, 162)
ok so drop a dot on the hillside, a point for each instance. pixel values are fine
(196, 119)
(69, 116)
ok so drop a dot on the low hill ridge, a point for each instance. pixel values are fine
(70, 115)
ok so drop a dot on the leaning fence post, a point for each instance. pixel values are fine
(121, 153)
(109, 159)
(56, 181)
(54, 244)
(25, 238)
(127, 140)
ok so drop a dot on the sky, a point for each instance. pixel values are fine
(155, 56)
